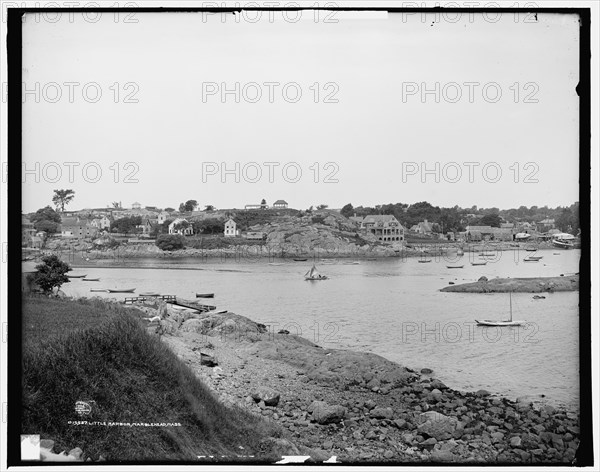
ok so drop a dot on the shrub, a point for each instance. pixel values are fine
(170, 242)
(50, 274)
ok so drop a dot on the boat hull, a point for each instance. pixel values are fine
(500, 323)
(316, 278)
(124, 290)
(205, 295)
(455, 267)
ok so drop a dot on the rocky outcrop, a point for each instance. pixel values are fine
(525, 285)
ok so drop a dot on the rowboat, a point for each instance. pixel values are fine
(121, 290)
(530, 259)
(149, 294)
(91, 280)
(479, 263)
(205, 295)
(73, 276)
(455, 267)
(98, 290)
(275, 263)
(424, 260)
(535, 258)
(300, 260)
(508, 322)
(351, 263)
(531, 249)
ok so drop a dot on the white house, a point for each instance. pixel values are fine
(184, 231)
(230, 229)
(162, 217)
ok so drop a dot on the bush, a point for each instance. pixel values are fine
(50, 274)
(170, 242)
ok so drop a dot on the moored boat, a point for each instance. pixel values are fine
(149, 294)
(121, 290)
(299, 259)
(479, 263)
(509, 322)
(76, 276)
(98, 290)
(205, 295)
(454, 266)
(91, 280)
(424, 260)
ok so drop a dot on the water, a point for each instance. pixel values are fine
(394, 308)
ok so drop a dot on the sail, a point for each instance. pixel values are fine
(313, 272)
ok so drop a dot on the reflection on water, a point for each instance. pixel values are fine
(394, 308)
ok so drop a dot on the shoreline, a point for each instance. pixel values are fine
(564, 283)
(372, 409)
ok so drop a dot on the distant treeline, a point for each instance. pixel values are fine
(457, 218)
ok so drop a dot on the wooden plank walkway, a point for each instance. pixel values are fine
(173, 300)
(144, 298)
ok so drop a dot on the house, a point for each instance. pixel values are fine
(75, 227)
(136, 206)
(507, 226)
(479, 233)
(176, 227)
(147, 225)
(230, 229)
(385, 228)
(356, 219)
(281, 204)
(162, 217)
(424, 227)
(546, 225)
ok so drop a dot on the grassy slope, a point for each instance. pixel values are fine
(92, 350)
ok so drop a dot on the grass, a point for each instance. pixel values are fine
(95, 350)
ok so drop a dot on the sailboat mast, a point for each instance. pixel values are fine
(510, 294)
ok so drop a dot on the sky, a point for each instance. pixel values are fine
(402, 108)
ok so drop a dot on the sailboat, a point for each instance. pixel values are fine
(508, 322)
(313, 274)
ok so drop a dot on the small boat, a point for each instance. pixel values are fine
(531, 249)
(91, 280)
(275, 263)
(149, 294)
(479, 263)
(424, 260)
(535, 258)
(205, 295)
(455, 266)
(530, 259)
(300, 260)
(313, 274)
(487, 254)
(351, 263)
(121, 290)
(74, 276)
(508, 322)
(98, 290)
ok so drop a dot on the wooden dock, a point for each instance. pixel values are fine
(172, 299)
(166, 298)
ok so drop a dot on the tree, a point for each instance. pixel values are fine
(263, 202)
(322, 206)
(190, 205)
(116, 204)
(126, 224)
(50, 274)
(170, 242)
(491, 219)
(169, 209)
(209, 208)
(347, 210)
(182, 225)
(62, 198)
(46, 219)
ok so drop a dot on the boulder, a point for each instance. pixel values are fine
(267, 395)
(437, 425)
(323, 413)
(426, 371)
(382, 413)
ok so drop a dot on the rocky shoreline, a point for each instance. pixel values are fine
(565, 283)
(358, 407)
